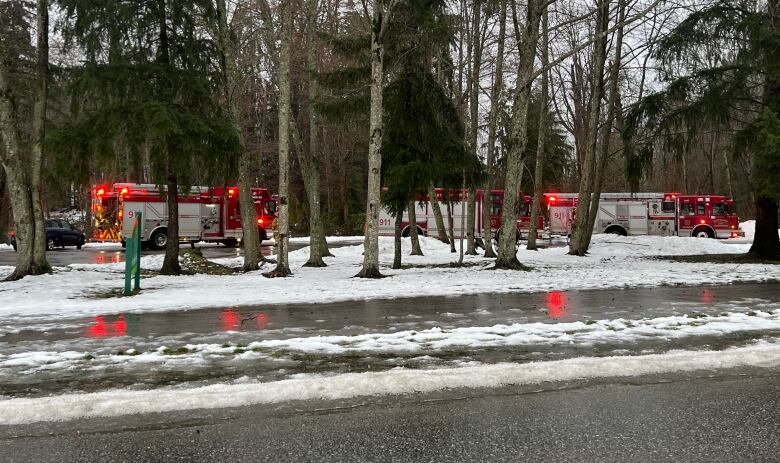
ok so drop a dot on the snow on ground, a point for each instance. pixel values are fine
(5, 247)
(396, 381)
(418, 342)
(614, 262)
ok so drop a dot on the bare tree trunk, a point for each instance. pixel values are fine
(536, 206)
(476, 64)
(171, 261)
(579, 234)
(451, 223)
(282, 266)
(40, 264)
(246, 204)
(23, 174)
(371, 245)
(507, 252)
(713, 143)
(318, 246)
(495, 95)
(728, 173)
(462, 221)
(612, 106)
(412, 208)
(441, 229)
(397, 242)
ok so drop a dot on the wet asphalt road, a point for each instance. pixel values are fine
(726, 418)
(285, 320)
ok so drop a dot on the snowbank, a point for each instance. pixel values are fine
(615, 262)
(397, 381)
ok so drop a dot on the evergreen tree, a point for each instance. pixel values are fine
(741, 87)
(149, 81)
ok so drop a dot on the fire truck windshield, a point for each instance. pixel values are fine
(270, 207)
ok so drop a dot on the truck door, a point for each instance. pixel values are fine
(687, 216)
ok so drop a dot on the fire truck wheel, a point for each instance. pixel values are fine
(702, 232)
(230, 242)
(408, 232)
(497, 237)
(616, 230)
(159, 239)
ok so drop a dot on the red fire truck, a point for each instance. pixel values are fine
(205, 214)
(665, 214)
(426, 221)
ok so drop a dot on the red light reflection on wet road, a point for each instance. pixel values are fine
(233, 321)
(230, 320)
(100, 328)
(706, 296)
(556, 304)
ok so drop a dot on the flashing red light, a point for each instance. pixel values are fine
(260, 221)
(702, 221)
(124, 191)
(553, 199)
(101, 192)
(231, 191)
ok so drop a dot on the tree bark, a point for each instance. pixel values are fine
(476, 63)
(451, 223)
(318, 246)
(171, 261)
(412, 208)
(246, 204)
(495, 95)
(612, 107)
(40, 263)
(507, 252)
(441, 229)
(282, 265)
(536, 206)
(397, 242)
(578, 233)
(23, 172)
(376, 130)
(766, 242)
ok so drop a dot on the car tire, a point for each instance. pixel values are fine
(50, 244)
(230, 242)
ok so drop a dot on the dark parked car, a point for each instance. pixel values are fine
(60, 233)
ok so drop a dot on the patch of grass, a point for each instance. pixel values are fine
(752, 313)
(109, 293)
(591, 322)
(194, 262)
(89, 357)
(178, 351)
(697, 315)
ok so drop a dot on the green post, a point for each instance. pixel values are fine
(133, 257)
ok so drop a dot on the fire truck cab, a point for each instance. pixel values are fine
(209, 214)
(663, 214)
